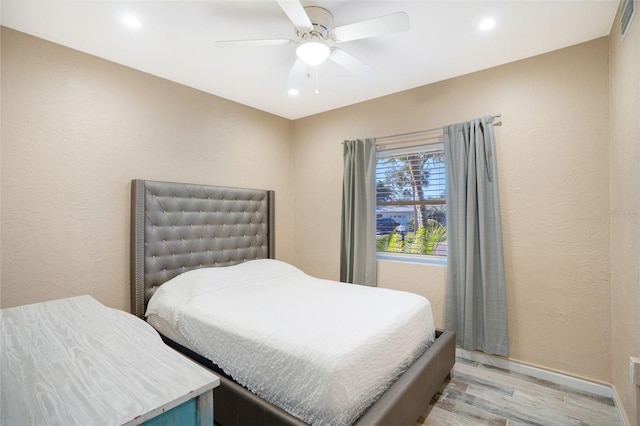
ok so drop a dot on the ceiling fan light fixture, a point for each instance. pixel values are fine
(313, 52)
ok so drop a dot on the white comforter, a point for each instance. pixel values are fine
(321, 350)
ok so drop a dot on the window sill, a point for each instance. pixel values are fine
(412, 258)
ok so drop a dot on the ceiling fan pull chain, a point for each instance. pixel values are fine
(317, 72)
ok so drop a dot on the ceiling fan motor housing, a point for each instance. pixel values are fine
(322, 21)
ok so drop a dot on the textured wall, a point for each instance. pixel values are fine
(552, 158)
(625, 211)
(76, 129)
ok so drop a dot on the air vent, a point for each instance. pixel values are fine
(628, 12)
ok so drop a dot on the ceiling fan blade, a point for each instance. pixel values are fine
(294, 10)
(387, 24)
(256, 42)
(296, 75)
(351, 63)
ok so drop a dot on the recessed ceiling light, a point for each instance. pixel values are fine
(486, 24)
(293, 92)
(131, 21)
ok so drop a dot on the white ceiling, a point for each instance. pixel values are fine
(176, 41)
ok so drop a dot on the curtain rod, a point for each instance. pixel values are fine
(417, 132)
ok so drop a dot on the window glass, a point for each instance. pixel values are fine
(410, 201)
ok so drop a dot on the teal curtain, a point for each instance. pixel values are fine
(475, 299)
(358, 236)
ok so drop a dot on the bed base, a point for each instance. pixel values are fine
(400, 405)
(408, 397)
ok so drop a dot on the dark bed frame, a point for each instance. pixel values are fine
(177, 227)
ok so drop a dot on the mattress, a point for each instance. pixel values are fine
(321, 350)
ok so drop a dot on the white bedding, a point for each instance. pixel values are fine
(321, 350)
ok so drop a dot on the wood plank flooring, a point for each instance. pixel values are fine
(479, 394)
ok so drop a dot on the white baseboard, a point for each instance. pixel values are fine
(539, 373)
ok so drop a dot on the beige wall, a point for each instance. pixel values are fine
(624, 164)
(76, 129)
(552, 157)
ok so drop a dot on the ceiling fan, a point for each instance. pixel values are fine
(315, 32)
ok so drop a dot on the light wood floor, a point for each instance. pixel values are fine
(479, 394)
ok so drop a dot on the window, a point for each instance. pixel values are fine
(410, 201)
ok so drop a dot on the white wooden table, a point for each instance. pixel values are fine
(76, 362)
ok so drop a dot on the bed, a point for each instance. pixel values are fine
(178, 228)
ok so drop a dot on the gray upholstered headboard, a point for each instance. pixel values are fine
(176, 227)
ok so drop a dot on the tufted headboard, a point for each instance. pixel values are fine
(176, 227)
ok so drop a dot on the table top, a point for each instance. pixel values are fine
(76, 361)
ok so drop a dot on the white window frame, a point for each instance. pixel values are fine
(436, 145)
